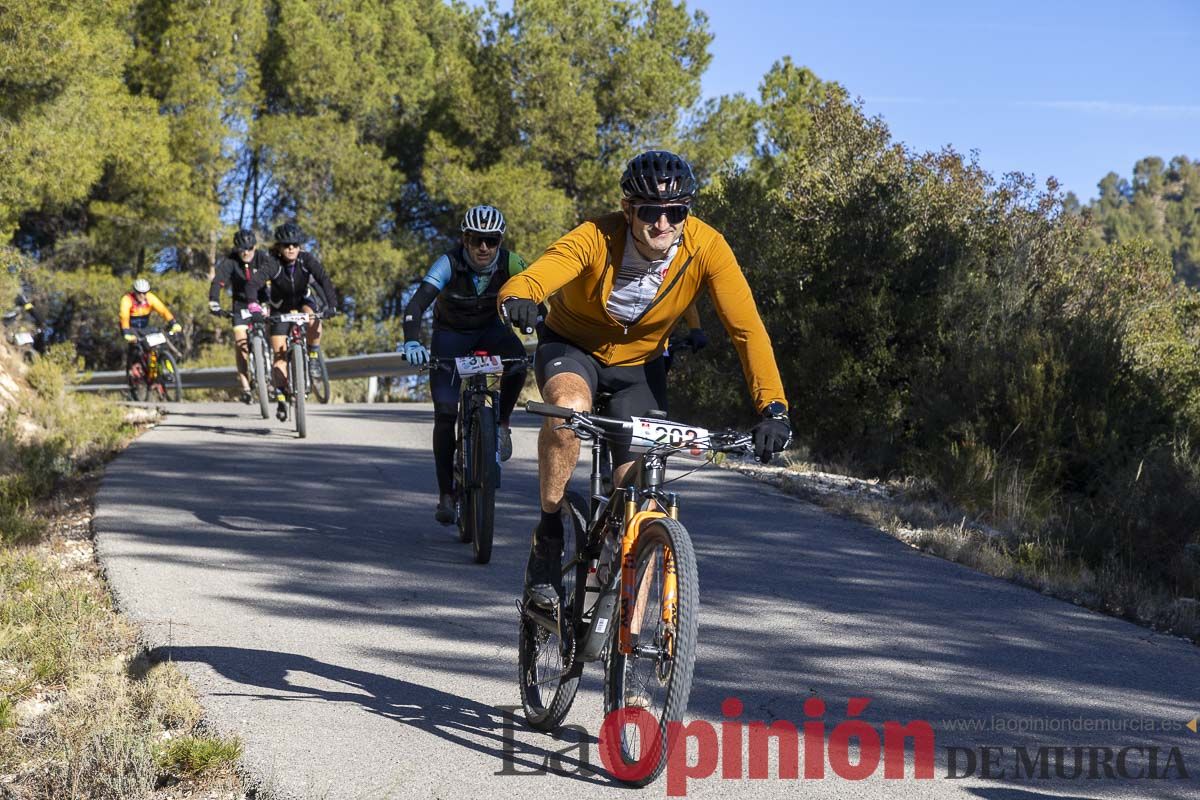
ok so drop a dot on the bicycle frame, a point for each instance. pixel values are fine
(297, 334)
(631, 507)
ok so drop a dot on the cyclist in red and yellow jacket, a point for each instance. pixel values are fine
(136, 307)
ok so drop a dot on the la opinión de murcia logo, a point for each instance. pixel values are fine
(853, 749)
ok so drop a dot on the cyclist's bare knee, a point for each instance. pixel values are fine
(569, 390)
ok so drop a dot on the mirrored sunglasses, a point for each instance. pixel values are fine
(650, 213)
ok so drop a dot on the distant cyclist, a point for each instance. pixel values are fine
(136, 307)
(235, 270)
(291, 273)
(464, 282)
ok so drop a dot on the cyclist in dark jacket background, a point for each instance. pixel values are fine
(465, 282)
(290, 274)
(235, 270)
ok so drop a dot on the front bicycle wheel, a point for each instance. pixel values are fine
(547, 670)
(297, 381)
(651, 684)
(169, 378)
(481, 484)
(320, 378)
(258, 374)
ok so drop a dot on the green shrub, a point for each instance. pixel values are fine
(930, 321)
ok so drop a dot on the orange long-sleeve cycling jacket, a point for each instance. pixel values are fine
(582, 265)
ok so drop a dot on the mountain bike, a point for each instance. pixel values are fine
(477, 456)
(629, 594)
(298, 383)
(153, 369)
(258, 364)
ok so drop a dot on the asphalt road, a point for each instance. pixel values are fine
(325, 618)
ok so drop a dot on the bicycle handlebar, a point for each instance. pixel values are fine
(727, 441)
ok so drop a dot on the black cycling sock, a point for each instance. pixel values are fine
(551, 525)
(443, 453)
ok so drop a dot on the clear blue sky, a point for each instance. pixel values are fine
(1067, 88)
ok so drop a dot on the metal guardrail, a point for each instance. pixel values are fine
(342, 368)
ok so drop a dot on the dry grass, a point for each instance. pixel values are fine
(81, 714)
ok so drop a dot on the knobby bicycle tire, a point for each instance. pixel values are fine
(258, 354)
(462, 444)
(169, 378)
(481, 485)
(661, 535)
(299, 365)
(546, 706)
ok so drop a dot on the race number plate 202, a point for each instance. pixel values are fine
(155, 339)
(479, 365)
(649, 433)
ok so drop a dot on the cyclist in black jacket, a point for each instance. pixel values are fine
(465, 281)
(235, 270)
(290, 275)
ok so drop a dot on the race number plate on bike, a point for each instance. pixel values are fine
(297, 318)
(245, 313)
(23, 338)
(649, 433)
(479, 365)
(155, 339)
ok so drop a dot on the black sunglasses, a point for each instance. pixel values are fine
(650, 214)
(490, 241)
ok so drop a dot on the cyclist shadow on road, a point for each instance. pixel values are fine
(475, 726)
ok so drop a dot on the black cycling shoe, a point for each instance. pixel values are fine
(281, 407)
(445, 513)
(245, 396)
(505, 443)
(543, 572)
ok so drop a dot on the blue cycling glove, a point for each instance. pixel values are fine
(415, 353)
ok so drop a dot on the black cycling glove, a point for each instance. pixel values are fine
(521, 313)
(697, 339)
(771, 435)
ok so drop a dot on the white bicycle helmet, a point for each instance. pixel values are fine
(484, 219)
(141, 285)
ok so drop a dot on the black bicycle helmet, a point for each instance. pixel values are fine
(289, 233)
(658, 176)
(244, 239)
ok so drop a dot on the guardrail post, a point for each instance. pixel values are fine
(372, 388)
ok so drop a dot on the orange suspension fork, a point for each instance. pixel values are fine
(629, 600)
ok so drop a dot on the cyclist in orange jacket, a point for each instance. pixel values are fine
(623, 282)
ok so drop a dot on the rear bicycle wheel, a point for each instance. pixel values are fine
(258, 374)
(297, 381)
(320, 378)
(547, 670)
(656, 678)
(169, 378)
(481, 490)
